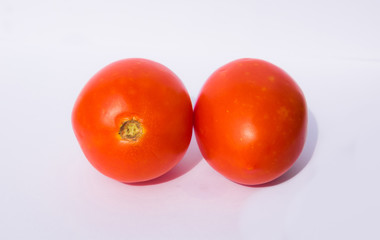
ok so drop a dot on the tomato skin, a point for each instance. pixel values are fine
(250, 121)
(143, 91)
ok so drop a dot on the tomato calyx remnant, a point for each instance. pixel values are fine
(131, 130)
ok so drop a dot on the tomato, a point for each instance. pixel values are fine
(250, 121)
(133, 120)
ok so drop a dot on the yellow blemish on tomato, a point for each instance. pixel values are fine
(283, 112)
(271, 78)
(263, 89)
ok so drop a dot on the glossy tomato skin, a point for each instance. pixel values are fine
(133, 90)
(250, 121)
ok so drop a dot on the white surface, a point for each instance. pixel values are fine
(48, 50)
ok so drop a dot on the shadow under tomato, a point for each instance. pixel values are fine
(304, 158)
(192, 157)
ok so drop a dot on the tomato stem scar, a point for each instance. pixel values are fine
(131, 130)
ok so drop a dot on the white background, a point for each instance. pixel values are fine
(49, 49)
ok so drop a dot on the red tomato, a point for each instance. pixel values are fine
(250, 121)
(133, 120)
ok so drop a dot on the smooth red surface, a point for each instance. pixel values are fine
(133, 89)
(250, 121)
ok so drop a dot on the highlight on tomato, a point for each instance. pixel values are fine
(133, 120)
(250, 121)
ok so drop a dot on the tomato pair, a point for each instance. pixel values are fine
(134, 120)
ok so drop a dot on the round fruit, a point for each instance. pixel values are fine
(133, 120)
(250, 121)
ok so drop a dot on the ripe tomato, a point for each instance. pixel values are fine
(133, 120)
(250, 121)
